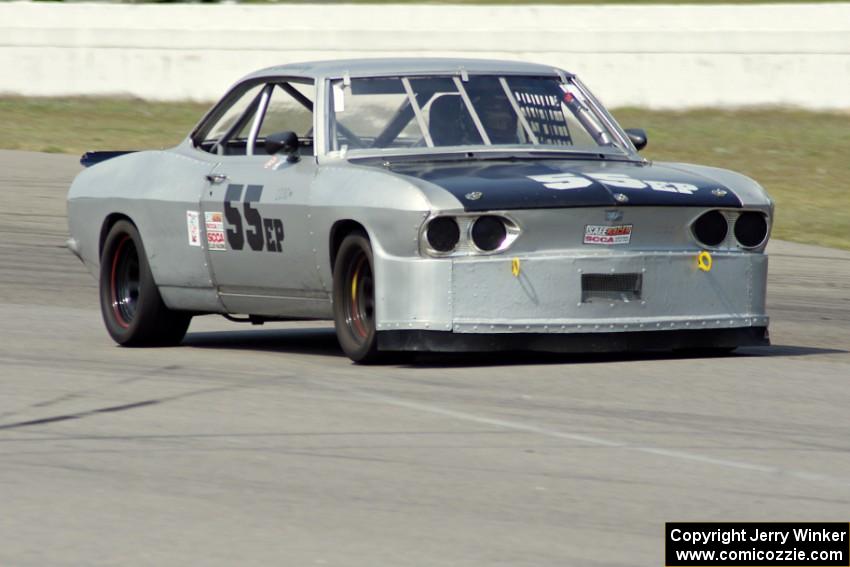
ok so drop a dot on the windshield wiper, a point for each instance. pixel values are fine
(537, 155)
(544, 155)
(498, 156)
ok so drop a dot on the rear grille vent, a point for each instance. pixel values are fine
(610, 287)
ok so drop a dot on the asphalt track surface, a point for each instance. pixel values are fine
(266, 446)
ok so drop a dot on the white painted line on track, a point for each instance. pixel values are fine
(598, 441)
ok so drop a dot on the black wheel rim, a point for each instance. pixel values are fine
(125, 282)
(360, 298)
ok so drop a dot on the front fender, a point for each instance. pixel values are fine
(751, 193)
(391, 209)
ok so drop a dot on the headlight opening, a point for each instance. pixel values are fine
(468, 234)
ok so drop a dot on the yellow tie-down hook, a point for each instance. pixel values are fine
(704, 261)
(515, 268)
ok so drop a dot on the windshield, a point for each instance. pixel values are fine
(535, 113)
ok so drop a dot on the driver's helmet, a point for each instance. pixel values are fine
(498, 117)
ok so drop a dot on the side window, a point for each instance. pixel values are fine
(226, 121)
(285, 112)
(285, 106)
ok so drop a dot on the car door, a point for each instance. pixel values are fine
(256, 211)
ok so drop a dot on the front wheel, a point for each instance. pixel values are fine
(354, 299)
(132, 309)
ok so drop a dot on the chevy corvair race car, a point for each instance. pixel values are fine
(424, 205)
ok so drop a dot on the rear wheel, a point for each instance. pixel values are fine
(354, 299)
(132, 309)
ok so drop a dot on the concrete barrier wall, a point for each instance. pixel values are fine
(661, 56)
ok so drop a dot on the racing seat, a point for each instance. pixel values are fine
(450, 123)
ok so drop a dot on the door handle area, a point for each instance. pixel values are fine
(216, 178)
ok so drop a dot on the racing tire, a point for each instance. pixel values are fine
(132, 308)
(354, 299)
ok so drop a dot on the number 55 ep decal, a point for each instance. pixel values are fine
(247, 226)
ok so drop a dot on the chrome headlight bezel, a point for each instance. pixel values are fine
(466, 246)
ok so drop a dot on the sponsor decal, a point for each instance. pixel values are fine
(214, 224)
(607, 235)
(193, 225)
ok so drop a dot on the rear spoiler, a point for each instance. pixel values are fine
(89, 159)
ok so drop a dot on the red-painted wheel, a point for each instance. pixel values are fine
(354, 299)
(124, 281)
(132, 308)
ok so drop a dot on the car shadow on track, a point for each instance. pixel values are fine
(529, 358)
(322, 342)
(319, 341)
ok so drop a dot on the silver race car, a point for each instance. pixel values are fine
(424, 205)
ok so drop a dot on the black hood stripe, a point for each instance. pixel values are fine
(505, 185)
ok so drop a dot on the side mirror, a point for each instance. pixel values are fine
(283, 142)
(638, 137)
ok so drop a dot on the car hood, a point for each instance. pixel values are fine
(527, 184)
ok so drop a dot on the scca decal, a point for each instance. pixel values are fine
(608, 235)
(564, 181)
(264, 233)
